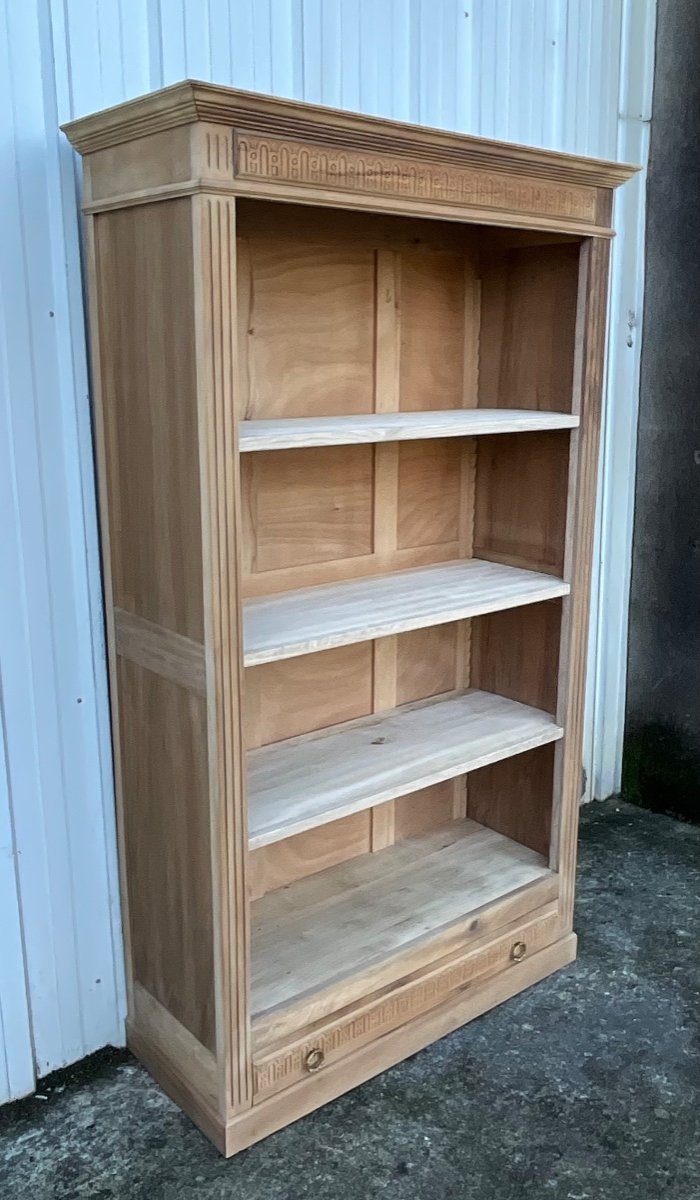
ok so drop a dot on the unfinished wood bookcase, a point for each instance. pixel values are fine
(347, 380)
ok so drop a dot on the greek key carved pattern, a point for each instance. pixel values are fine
(285, 161)
(409, 1002)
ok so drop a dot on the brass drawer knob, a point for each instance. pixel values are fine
(518, 951)
(314, 1060)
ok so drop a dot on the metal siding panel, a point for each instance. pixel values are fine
(172, 37)
(462, 34)
(350, 66)
(518, 38)
(110, 50)
(135, 41)
(430, 82)
(29, 684)
(605, 709)
(219, 14)
(324, 41)
(262, 45)
(285, 59)
(414, 60)
(551, 130)
(16, 1052)
(69, 500)
(376, 48)
(311, 37)
(54, 699)
(543, 71)
(503, 79)
(156, 69)
(242, 47)
(197, 38)
(400, 62)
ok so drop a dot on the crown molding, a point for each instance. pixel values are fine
(192, 101)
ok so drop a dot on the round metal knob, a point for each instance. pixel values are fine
(314, 1060)
(518, 951)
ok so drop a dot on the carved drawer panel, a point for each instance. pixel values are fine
(417, 994)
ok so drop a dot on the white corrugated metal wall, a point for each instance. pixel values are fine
(570, 74)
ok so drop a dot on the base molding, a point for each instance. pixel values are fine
(312, 1092)
(302, 1098)
(176, 1086)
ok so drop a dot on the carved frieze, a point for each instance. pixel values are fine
(277, 160)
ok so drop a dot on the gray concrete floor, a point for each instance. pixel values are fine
(587, 1086)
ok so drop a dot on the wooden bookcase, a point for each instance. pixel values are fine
(347, 380)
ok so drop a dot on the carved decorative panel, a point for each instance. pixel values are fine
(277, 160)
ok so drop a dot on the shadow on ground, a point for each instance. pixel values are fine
(587, 1086)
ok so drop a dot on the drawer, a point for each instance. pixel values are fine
(319, 1048)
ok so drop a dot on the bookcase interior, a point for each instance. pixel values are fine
(404, 577)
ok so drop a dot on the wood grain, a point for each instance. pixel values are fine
(97, 335)
(167, 845)
(193, 100)
(426, 662)
(306, 332)
(272, 1114)
(157, 161)
(431, 371)
(284, 862)
(160, 650)
(387, 370)
(589, 385)
(336, 570)
(213, 232)
(307, 781)
(528, 319)
(176, 1043)
(430, 498)
(298, 432)
(413, 996)
(475, 929)
(516, 654)
(339, 614)
(298, 695)
(147, 364)
(515, 797)
(349, 917)
(521, 500)
(306, 506)
(427, 809)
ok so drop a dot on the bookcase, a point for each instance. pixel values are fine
(347, 379)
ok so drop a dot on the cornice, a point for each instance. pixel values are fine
(191, 101)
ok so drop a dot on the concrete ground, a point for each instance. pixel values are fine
(587, 1086)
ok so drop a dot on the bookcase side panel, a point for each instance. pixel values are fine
(588, 390)
(141, 287)
(145, 318)
(528, 355)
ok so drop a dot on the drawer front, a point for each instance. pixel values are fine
(280, 1068)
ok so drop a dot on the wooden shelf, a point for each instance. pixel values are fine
(338, 614)
(321, 930)
(308, 781)
(297, 432)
